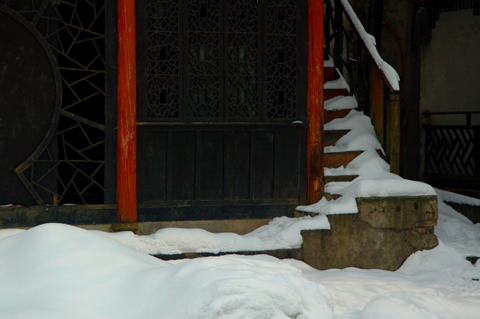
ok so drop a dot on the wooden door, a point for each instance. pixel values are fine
(221, 109)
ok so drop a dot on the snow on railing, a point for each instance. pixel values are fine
(386, 70)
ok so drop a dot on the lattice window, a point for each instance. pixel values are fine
(74, 156)
(450, 151)
(203, 60)
(242, 59)
(163, 59)
(222, 60)
(281, 59)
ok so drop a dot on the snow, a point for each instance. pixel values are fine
(457, 198)
(339, 83)
(329, 63)
(60, 271)
(374, 177)
(389, 72)
(280, 233)
(340, 103)
(361, 136)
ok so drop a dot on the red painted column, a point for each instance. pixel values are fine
(127, 129)
(315, 102)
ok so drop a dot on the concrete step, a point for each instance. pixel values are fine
(330, 137)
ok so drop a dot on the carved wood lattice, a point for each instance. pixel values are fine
(74, 155)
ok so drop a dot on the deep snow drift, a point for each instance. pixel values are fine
(59, 271)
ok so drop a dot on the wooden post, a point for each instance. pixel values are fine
(393, 133)
(127, 130)
(376, 103)
(315, 102)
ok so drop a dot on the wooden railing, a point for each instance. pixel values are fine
(374, 82)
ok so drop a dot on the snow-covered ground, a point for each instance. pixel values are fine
(59, 271)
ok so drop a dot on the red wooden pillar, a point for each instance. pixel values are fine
(315, 102)
(127, 130)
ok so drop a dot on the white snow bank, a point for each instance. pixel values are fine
(10, 232)
(57, 271)
(457, 198)
(390, 73)
(341, 103)
(280, 233)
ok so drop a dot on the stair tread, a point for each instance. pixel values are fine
(332, 136)
(341, 102)
(329, 74)
(336, 114)
(339, 178)
(331, 93)
(342, 158)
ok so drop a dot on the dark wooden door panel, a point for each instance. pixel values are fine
(209, 183)
(209, 163)
(221, 83)
(182, 152)
(153, 173)
(287, 167)
(263, 157)
(237, 165)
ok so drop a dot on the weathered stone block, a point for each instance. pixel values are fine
(382, 235)
(399, 212)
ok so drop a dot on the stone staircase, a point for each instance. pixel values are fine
(386, 230)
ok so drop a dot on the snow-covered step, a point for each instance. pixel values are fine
(335, 114)
(329, 74)
(338, 159)
(330, 137)
(332, 93)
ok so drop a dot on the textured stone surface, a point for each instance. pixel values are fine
(354, 243)
(382, 235)
(399, 212)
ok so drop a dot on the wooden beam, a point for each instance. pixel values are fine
(127, 131)
(393, 133)
(377, 103)
(315, 102)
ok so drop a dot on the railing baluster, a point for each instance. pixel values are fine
(393, 132)
(377, 103)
